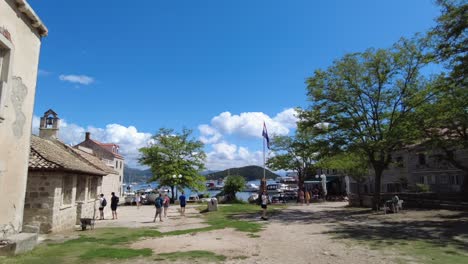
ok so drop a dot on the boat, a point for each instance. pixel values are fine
(253, 198)
(251, 187)
(193, 198)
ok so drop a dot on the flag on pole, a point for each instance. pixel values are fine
(265, 135)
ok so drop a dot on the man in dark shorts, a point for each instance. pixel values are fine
(183, 202)
(114, 204)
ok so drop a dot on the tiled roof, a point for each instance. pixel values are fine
(95, 161)
(55, 155)
(108, 147)
(38, 162)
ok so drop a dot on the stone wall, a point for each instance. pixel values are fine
(15, 128)
(41, 199)
(44, 204)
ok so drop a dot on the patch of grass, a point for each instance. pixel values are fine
(115, 253)
(93, 243)
(420, 250)
(192, 255)
(253, 235)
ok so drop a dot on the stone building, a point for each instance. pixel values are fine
(419, 165)
(21, 31)
(63, 182)
(109, 154)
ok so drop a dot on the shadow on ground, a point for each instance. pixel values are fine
(440, 229)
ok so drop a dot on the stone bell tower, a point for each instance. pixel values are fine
(49, 125)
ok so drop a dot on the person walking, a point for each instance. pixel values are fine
(102, 205)
(264, 204)
(158, 203)
(114, 204)
(138, 200)
(183, 202)
(307, 197)
(301, 197)
(166, 203)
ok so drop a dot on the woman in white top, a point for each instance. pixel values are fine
(138, 200)
(264, 198)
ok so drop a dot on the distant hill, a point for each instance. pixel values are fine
(136, 175)
(250, 173)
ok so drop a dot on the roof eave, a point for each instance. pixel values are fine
(36, 22)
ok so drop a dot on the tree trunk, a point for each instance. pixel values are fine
(378, 176)
(172, 192)
(359, 193)
(300, 186)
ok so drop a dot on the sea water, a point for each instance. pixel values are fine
(244, 196)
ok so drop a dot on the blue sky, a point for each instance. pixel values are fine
(123, 69)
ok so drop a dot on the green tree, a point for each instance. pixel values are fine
(366, 100)
(297, 153)
(443, 121)
(171, 153)
(351, 164)
(232, 185)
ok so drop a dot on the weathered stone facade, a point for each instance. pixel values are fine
(419, 165)
(46, 206)
(20, 40)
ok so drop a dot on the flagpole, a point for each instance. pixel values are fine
(263, 140)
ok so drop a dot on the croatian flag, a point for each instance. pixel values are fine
(265, 135)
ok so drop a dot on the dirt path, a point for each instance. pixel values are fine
(297, 235)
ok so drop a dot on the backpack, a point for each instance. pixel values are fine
(158, 202)
(104, 202)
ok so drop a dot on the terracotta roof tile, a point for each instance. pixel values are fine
(55, 155)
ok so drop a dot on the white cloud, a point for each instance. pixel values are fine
(128, 138)
(81, 79)
(209, 135)
(248, 124)
(225, 155)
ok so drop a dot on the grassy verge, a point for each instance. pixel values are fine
(112, 243)
(418, 251)
(191, 256)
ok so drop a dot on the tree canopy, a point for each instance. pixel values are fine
(366, 100)
(297, 153)
(443, 121)
(172, 154)
(232, 185)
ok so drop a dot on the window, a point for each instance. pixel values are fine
(116, 164)
(422, 159)
(81, 189)
(67, 189)
(5, 62)
(399, 162)
(92, 187)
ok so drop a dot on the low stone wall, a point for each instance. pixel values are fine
(450, 201)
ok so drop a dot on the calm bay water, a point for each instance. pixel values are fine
(244, 196)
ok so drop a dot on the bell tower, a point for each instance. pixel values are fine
(49, 125)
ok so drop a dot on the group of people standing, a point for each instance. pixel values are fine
(307, 195)
(113, 205)
(161, 203)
